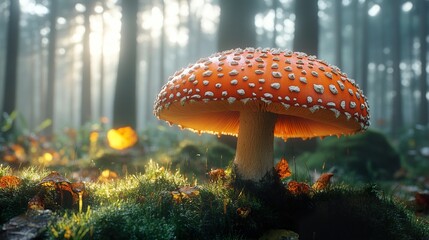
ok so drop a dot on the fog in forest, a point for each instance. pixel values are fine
(61, 59)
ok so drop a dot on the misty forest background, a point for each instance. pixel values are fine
(79, 61)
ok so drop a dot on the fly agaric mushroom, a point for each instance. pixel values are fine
(257, 94)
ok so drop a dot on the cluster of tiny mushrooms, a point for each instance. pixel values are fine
(257, 94)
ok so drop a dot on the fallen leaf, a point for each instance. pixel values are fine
(323, 181)
(53, 178)
(184, 192)
(107, 175)
(422, 200)
(36, 203)
(9, 182)
(122, 138)
(243, 212)
(216, 174)
(298, 187)
(282, 169)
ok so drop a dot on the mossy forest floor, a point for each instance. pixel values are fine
(162, 204)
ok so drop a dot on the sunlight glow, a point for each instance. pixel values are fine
(33, 8)
(407, 6)
(153, 21)
(374, 10)
(79, 7)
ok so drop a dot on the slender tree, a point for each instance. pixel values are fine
(124, 112)
(236, 34)
(233, 33)
(423, 118)
(9, 96)
(306, 27)
(52, 46)
(397, 114)
(306, 40)
(363, 81)
(338, 33)
(275, 6)
(86, 67)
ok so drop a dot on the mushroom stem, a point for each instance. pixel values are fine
(254, 156)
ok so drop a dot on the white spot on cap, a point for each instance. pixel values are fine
(218, 85)
(328, 75)
(191, 78)
(259, 72)
(343, 104)
(276, 74)
(351, 92)
(314, 108)
(336, 112)
(287, 106)
(206, 82)
(224, 93)
(348, 115)
(303, 79)
(309, 99)
(207, 73)
(245, 100)
(315, 74)
(233, 73)
(333, 89)
(261, 80)
(245, 78)
(287, 98)
(275, 85)
(318, 88)
(231, 100)
(209, 94)
(252, 85)
(274, 66)
(291, 76)
(241, 92)
(352, 104)
(294, 89)
(234, 82)
(330, 104)
(341, 85)
(268, 95)
(288, 69)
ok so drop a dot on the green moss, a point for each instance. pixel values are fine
(143, 206)
(367, 156)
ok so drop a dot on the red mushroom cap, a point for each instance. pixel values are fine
(310, 97)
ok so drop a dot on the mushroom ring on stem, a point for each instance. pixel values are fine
(257, 94)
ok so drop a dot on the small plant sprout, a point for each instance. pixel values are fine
(257, 94)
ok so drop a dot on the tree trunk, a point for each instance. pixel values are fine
(85, 107)
(423, 118)
(355, 42)
(397, 116)
(338, 33)
(306, 40)
(103, 36)
(9, 96)
(275, 33)
(124, 112)
(234, 33)
(52, 46)
(363, 80)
